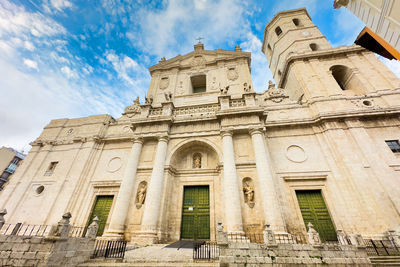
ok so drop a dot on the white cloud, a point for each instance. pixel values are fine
(56, 5)
(69, 72)
(31, 64)
(29, 46)
(393, 65)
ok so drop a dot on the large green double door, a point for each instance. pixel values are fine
(313, 209)
(101, 209)
(195, 213)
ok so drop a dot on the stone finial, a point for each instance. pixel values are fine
(269, 236)
(62, 228)
(2, 220)
(313, 236)
(93, 228)
(237, 48)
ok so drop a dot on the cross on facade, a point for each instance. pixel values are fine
(199, 39)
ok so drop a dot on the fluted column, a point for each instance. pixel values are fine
(233, 212)
(121, 206)
(153, 198)
(272, 211)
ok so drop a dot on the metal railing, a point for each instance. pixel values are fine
(381, 248)
(109, 249)
(290, 239)
(77, 231)
(25, 229)
(206, 251)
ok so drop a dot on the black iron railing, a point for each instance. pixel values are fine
(206, 251)
(109, 249)
(381, 248)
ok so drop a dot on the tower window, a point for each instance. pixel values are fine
(279, 73)
(199, 83)
(269, 48)
(296, 22)
(313, 47)
(341, 75)
(278, 31)
(394, 145)
(51, 168)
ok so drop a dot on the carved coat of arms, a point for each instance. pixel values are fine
(232, 74)
(164, 83)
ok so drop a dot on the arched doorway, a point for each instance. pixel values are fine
(195, 181)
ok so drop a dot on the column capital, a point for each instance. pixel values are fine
(163, 138)
(138, 139)
(256, 130)
(226, 132)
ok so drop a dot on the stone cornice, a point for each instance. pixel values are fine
(318, 54)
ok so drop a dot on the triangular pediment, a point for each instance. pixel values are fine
(200, 58)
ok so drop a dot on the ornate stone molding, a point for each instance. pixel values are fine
(134, 109)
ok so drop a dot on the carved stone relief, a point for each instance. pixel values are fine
(214, 86)
(141, 194)
(248, 191)
(198, 62)
(247, 87)
(164, 83)
(180, 90)
(232, 74)
(296, 153)
(114, 164)
(274, 94)
(134, 109)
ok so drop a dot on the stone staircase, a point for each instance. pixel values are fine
(155, 255)
(385, 260)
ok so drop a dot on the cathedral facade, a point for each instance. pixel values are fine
(321, 145)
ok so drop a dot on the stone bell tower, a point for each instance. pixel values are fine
(304, 63)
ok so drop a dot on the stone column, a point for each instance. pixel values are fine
(233, 211)
(152, 205)
(270, 204)
(120, 211)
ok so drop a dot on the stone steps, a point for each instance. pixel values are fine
(155, 255)
(385, 260)
(108, 263)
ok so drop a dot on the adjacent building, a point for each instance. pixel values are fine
(10, 159)
(321, 145)
(382, 18)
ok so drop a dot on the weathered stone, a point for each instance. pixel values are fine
(20, 247)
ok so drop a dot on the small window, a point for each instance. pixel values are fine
(394, 145)
(15, 161)
(51, 168)
(269, 48)
(278, 31)
(296, 22)
(279, 73)
(199, 83)
(313, 47)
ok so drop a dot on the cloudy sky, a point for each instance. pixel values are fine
(66, 59)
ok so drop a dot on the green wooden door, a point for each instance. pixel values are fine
(101, 209)
(196, 213)
(313, 209)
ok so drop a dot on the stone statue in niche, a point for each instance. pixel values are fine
(248, 191)
(141, 194)
(149, 100)
(197, 161)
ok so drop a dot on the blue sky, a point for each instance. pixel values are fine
(66, 59)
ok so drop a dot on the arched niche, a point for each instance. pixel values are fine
(248, 191)
(194, 155)
(347, 80)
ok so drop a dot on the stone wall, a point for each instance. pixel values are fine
(251, 254)
(44, 251)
